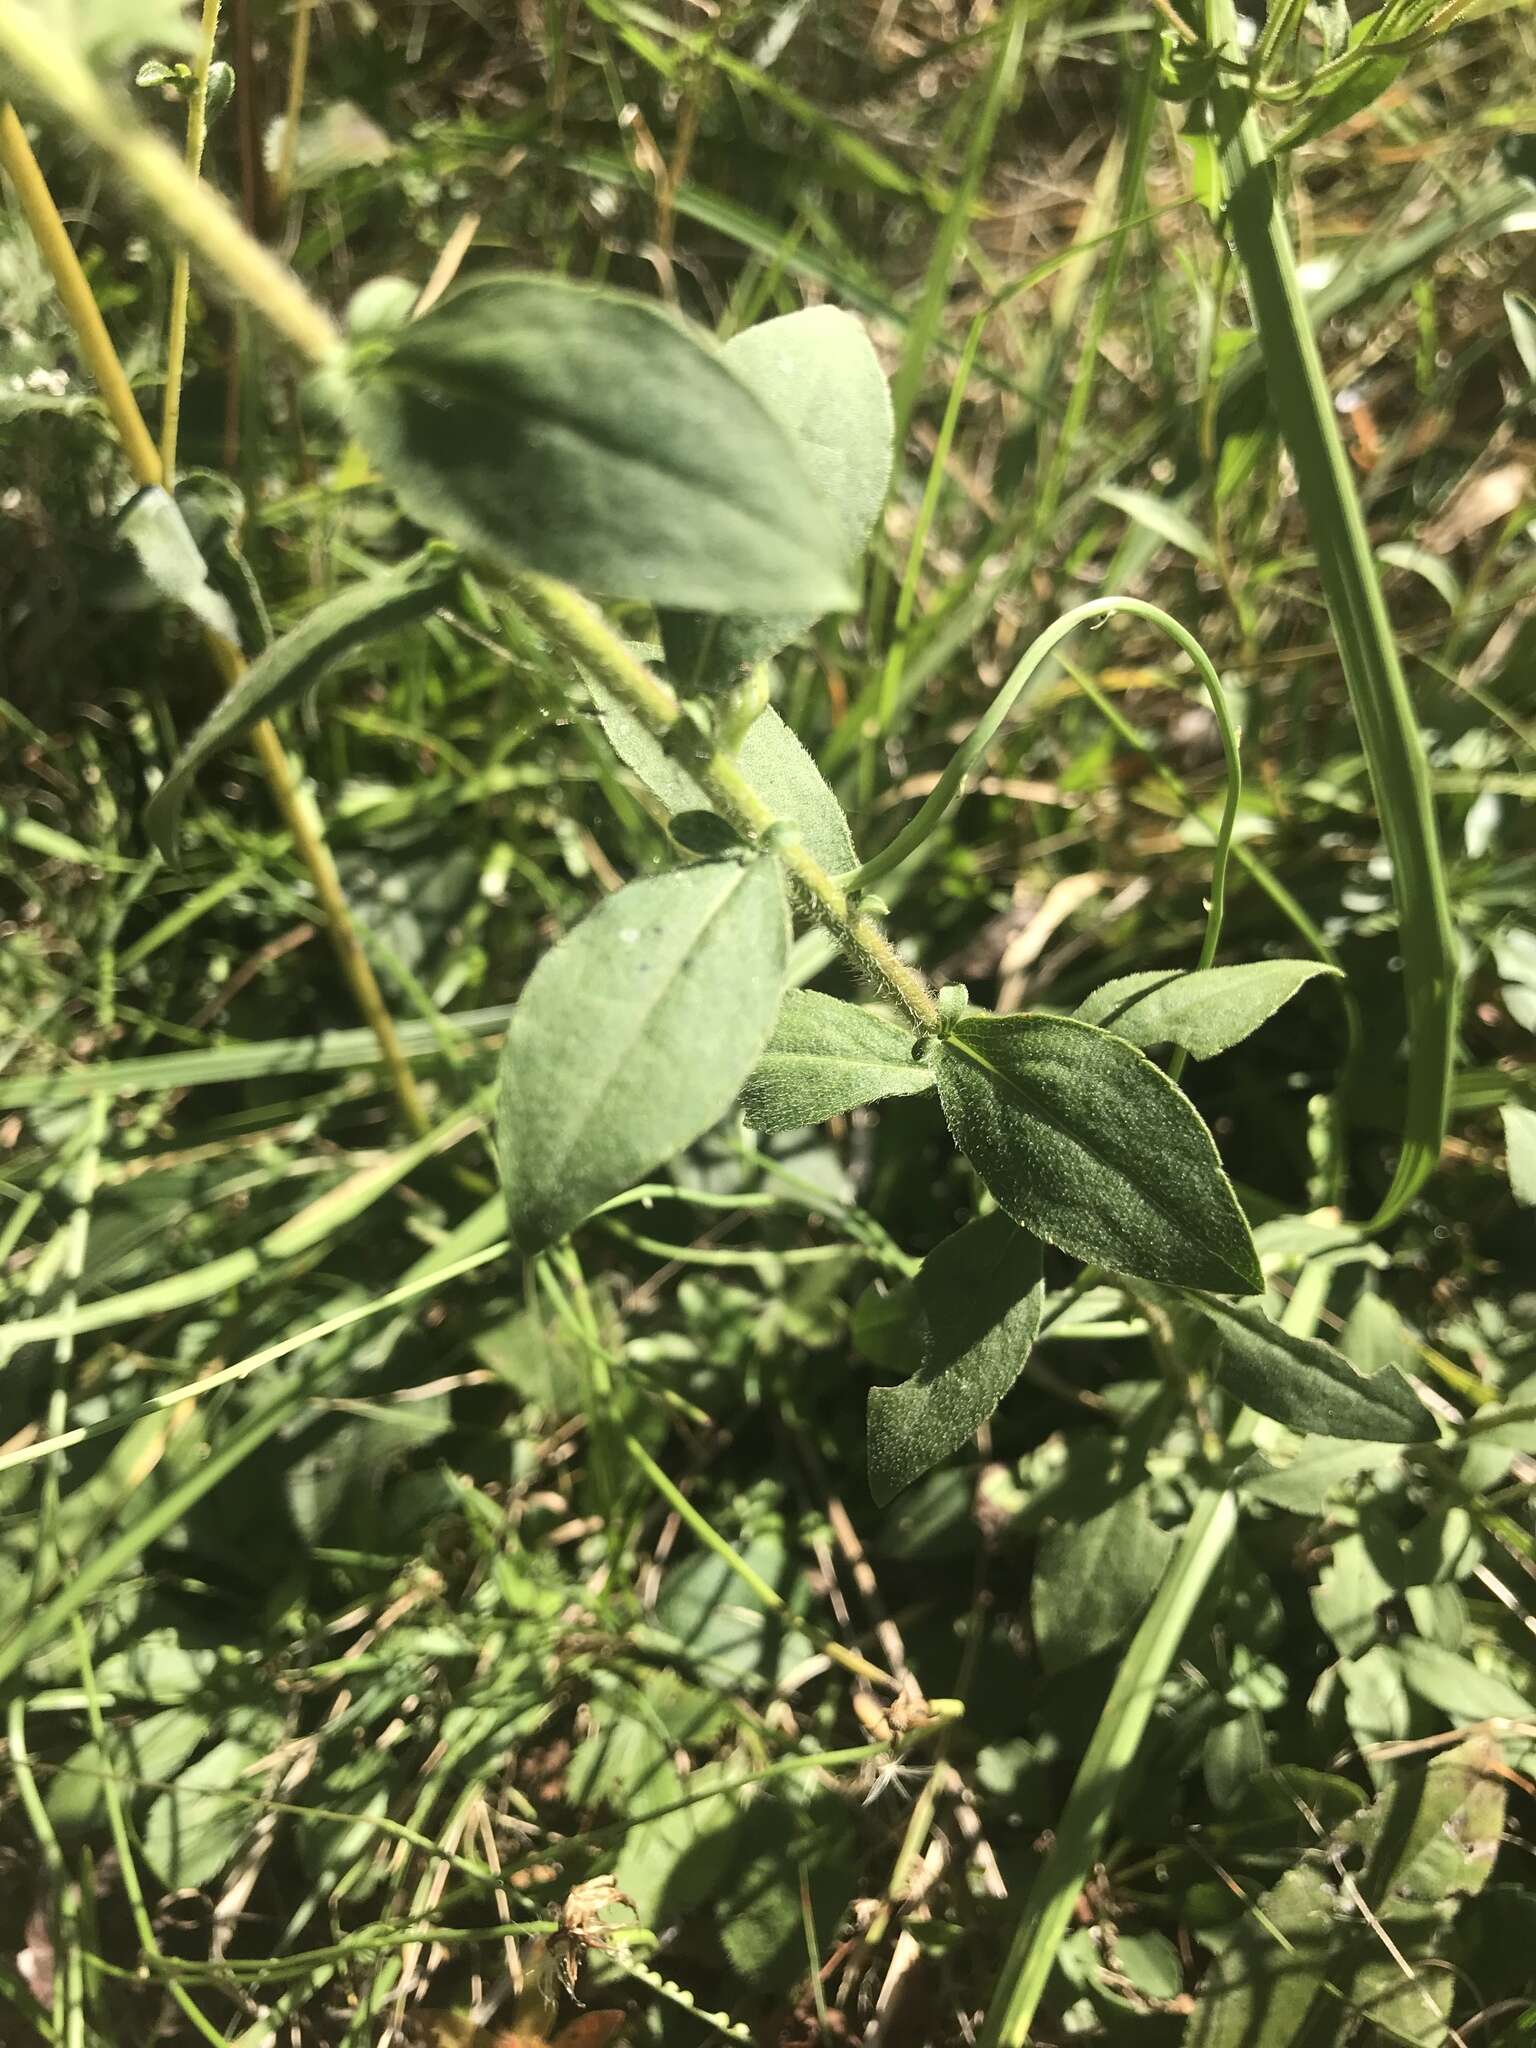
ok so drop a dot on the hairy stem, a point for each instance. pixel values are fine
(181, 270)
(144, 459)
(199, 217)
(581, 633)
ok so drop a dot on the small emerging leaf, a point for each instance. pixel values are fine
(634, 1035)
(826, 1057)
(815, 371)
(1086, 1143)
(980, 1292)
(589, 435)
(1308, 1385)
(362, 612)
(1205, 1012)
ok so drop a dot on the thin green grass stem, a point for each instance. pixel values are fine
(1383, 709)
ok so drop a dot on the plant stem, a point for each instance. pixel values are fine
(1111, 1754)
(144, 459)
(1080, 1833)
(1383, 709)
(298, 72)
(581, 633)
(275, 292)
(181, 269)
(198, 216)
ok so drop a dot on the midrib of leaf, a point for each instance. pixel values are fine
(611, 1071)
(1008, 1085)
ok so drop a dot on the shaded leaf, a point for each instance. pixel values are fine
(1159, 515)
(363, 612)
(589, 435)
(634, 1035)
(771, 758)
(1083, 1141)
(815, 371)
(825, 1057)
(1093, 1579)
(198, 1825)
(980, 1292)
(1306, 1384)
(1205, 1012)
(1520, 309)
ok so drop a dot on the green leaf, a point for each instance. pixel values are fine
(1520, 1146)
(363, 612)
(1160, 516)
(980, 1293)
(826, 1057)
(816, 372)
(143, 1752)
(590, 435)
(1083, 1141)
(1204, 1012)
(1093, 1579)
(154, 527)
(196, 1827)
(770, 757)
(1306, 1384)
(634, 1035)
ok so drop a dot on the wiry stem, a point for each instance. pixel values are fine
(181, 270)
(298, 813)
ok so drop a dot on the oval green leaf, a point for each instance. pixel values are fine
(634, 1035)
(1204, 1012)
(816, 371)
(1083, 1141)
(826, 1057)
(354, 616)
(590, 435)
(981, 1292)
(1309, 1386)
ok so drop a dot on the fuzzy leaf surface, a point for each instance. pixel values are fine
(1083, 1141)
(981, 1292)
(1205, 1012)
(816, 371)
(634, 1035)
(590, 435)
(772, 759)
(825, 1057)
(1309, 1386)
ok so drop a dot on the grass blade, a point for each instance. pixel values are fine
(1393, 747)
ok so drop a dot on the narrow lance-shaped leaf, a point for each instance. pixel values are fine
(1086, 1143)
(981, 1293)
(634, 1035)
(826, 1057)
(354, 616)
(1204, 1012)
(591, 435)
(816, 371)
(771, 758)
(1306, 1384)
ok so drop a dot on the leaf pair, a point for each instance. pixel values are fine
(591, 436)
